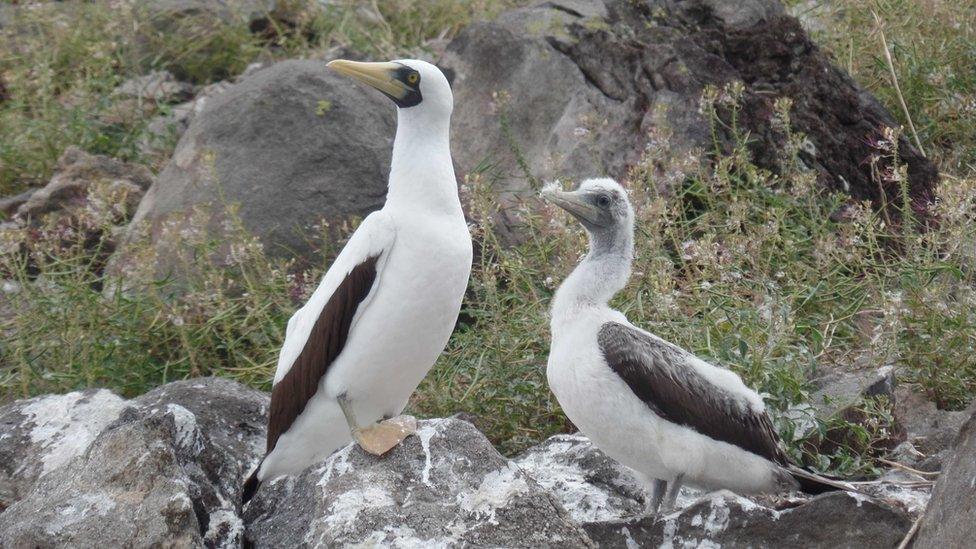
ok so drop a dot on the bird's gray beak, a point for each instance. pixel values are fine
(574, 203)
(382, 76)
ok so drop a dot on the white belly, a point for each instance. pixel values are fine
(391, 345)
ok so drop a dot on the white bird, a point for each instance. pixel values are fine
(645, 402)
(385, 309)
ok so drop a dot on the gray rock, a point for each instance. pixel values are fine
(42, 434)
(723, 519)
(446, 487)
(90, 469)
(227, 10)
(842, 389)
(10, 204)
(590, 485)
(574, 89)
(220, 435)
(74, 176)
(127, 489)
(931, 431)
(950, 520)
(159, 87)
(164, 130)
(292, 144)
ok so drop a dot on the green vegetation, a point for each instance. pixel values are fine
(932, 44)
(741, 266)
(60, 62)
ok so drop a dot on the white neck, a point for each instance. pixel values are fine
(603, 272)
(422, 173)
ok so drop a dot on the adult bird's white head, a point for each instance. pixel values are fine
(422, 172)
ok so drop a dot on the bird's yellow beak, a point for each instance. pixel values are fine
(382, 76)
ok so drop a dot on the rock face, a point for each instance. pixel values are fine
(606, 498)
(573, 89)
(585, 481)
(723, 519)
(950, 520)
(76, 173)
(446, 487)
(291, 144)
(42, 434)
(90, 469)
(930, 431)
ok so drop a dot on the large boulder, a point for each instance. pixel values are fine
(950, 520)
(291, 144)
(572, 89)
(42, 434)
(91, 469)
(446, 487)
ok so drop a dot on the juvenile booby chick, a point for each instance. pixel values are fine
(384, 311)
(647, 403)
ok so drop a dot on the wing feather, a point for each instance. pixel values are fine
(324, 343)
(661, 375)
(317, 332)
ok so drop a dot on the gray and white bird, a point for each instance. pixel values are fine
(651, 405)
(385, 309)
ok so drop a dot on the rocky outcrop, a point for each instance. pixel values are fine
(950, 520)
(90, 469)
(88, 200)
(572, 89)
(585, 481)
(446, 487)
(605, 497)
(723, 519)
(74, 177)
(930, 430)
(291, 144)
(42, 434)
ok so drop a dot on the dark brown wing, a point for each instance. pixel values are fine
(657, 373)
(324, 343)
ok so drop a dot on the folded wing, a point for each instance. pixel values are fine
(663, 377)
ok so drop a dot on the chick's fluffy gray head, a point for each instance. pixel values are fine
(604, 209)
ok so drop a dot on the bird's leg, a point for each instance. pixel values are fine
(378, 438)
(672, 495)
(653, 502)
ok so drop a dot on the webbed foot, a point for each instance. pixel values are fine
(380, 438)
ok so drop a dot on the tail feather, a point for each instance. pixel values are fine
(250, 486)
(812, 483)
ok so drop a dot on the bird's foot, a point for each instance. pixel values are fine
(380, 438)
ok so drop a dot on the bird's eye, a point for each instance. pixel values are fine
(603, 201)
(412, 78)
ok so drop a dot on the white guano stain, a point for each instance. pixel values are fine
(66, 425)
(496, 490)
(187, 432)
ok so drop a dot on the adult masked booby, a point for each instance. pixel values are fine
(385, 309)
(645, 402)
